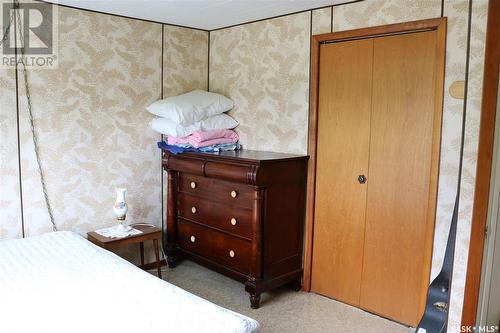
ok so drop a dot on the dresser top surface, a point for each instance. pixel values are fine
(243, 155)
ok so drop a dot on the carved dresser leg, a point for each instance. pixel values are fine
(171, 261)
(297, 285)
(253, 289)
(254, 301)
(172, 255)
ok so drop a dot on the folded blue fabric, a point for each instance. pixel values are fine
(174, 149)
(220, 147)
(179, 149)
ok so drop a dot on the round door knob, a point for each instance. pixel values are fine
(193, 185)
(231, 254)
(234, 194)
(233, 221)
(193, 210)
(192, 239)
(362, 179)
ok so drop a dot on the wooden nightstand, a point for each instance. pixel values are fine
(149, 233)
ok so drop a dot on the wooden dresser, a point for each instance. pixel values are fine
(240, 213)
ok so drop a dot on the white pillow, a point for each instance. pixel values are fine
(186, 109)
(168, 127)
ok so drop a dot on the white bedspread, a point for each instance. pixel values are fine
(60, 282)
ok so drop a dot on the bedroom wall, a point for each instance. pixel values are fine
(264, 68)
(92, 124)
(10, 218)
(92, 127)
(185, 60)
(91, 109)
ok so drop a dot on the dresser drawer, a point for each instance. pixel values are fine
(229, 193)
(237, 221)
(232, 252)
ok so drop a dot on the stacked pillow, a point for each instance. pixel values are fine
(198, 110)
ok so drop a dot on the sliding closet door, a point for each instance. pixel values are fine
(398, 240)
(343, 145)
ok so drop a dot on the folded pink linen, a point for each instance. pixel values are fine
(200, 136)
(206, 138)
(172, 140)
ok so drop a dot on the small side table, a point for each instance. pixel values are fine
(148, 233)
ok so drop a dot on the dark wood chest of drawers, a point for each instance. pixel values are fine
(240, 213)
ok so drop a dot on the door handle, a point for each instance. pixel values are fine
(362, 179)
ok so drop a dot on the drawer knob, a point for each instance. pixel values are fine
(231, 254)
(233, 221)
(193, 185)
(192, 239)
(193, 210)
(234, 194)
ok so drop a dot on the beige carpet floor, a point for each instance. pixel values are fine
(283, 310)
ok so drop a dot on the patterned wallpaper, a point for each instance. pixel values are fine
(91, 121)
(322, 21)
(475, 85)
(377, 12)
(264, 68)
(93, 130)
(10, 211)
(185, 63)
(10, 216)
(456, 54)
(241, 74)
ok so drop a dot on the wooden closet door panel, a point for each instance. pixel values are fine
(343, 144)
(398, 242)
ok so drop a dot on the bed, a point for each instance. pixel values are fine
(60, 282)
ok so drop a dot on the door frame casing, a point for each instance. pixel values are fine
(437, 24)
(492, 237)
(484, 165)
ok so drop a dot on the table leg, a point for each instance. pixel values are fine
(141, 250)
(157, 255)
